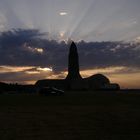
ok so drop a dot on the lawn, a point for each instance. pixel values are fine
(74, 116)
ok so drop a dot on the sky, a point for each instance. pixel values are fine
(35, 36)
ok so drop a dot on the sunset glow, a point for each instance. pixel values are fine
(35, 37)
(44, 69)
(7, 69)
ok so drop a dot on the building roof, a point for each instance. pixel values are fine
(99, 78)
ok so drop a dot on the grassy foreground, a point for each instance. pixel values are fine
(74, 116)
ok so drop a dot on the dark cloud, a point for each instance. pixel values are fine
(104, 54)
(19, 48)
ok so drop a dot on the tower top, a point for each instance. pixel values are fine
(73, 44)
(73, 49)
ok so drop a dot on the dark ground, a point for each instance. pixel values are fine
(74, 116)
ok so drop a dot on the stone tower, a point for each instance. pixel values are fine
(73, 64)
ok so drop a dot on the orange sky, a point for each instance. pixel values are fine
(29, 75)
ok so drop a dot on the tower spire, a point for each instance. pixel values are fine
(73, 63)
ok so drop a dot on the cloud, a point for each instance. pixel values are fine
(30, 75)
(137, 39)
(29, 48)
(8, 69)
(27, 56)
(105, 54)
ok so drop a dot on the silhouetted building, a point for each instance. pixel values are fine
(97, 81)
(73, 64)
(74, 81)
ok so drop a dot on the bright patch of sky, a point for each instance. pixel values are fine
(90, 20)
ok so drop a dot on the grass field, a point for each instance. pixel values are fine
(74, 116)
